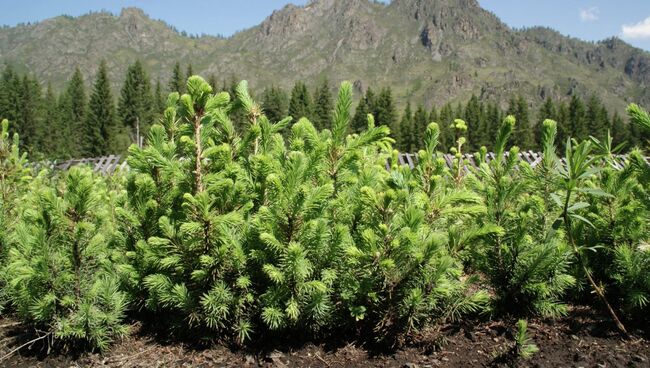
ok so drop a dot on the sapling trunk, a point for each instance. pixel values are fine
(199, 153)
(583, 264)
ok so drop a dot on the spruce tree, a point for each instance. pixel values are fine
(10, 95)
(323, 106)
(493, 118)
(446, 120)
(523, 134)
(49, 136)
(62, 265)
(28, 122)
(212, 81)
(384, 110)
(14, 182)
(186, 214)
(364, 107)
(525, 258)
(563, 125)
(275, 103)
(300, 104)
(177, 81)
(475, 117)
(620, 131)
(159, 100)
(74, 105)
(403, 135)
(596, 118)
(189, 72)
(135, 107)
(433, 114)
(100, 127)
(420, 123)
(577, 119)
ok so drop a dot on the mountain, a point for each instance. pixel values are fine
(430, 51)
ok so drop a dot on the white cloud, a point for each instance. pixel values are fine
(639, 30)
(589, 14)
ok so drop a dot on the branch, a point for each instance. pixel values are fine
(23, 345)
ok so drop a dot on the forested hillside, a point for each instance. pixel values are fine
(429, 52)
(88, 119)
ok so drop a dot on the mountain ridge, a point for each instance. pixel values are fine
(430, 51)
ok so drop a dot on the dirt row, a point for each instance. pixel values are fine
(578, 340)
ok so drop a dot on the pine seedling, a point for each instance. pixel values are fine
(527, 264)
(60, 272)
(14, 175)
(579, 169)
(398, 276)
(186, 215)
(524, 347)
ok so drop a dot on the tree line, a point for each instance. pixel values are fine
(77, 122)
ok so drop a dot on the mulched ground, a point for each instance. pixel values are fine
(580, 340)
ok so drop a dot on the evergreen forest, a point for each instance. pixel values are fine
(90, 119)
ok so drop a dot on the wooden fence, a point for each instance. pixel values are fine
(105, 165)
(115, 163)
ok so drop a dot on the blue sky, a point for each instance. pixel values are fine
(586, 19)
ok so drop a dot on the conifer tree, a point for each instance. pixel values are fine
(14, 179)
(596, 118)
(403, 134)
(275, 103)
(135, 107)
(384, 110)
(323, 106)
(564, 127)
(523, 134)
(189, 72)
(620, 131)
(526, 260)
(10, 95)
(459, 111)
(420, 123)
(100, 127)
(159, 100)
(475, 117)
(177, 81)
(74, 105)
(390, 281)
(60, 271)
(493, 119)
(29, 123)
(300, 104)
(576, 181)
(212, 81)
(185, 217)
(576, 119)
(433, 114)
(446, 127)
(49, 136)
(360, 119)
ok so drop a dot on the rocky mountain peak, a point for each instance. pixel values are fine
(464, 19)
(133, 12)
(338, 17)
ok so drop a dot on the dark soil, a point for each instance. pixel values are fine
(580, 340)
